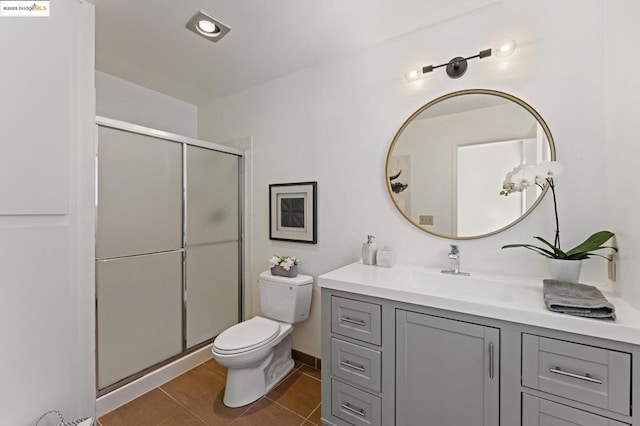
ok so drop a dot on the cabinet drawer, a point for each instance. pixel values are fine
(355, 319)
(591, 375)
(540, 412)
(356, 364)
(354, 406)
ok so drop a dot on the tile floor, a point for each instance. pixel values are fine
(195, 399)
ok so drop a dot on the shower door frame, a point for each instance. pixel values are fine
(185, 141)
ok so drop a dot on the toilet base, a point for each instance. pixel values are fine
(246, 385)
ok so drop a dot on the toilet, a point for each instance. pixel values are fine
(257, 352)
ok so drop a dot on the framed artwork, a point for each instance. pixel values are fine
(293, 212)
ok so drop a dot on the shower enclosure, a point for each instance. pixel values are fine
(168, 248)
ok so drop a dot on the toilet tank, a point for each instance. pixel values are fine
(285, 299)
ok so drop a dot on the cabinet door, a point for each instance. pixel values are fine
(447, 372)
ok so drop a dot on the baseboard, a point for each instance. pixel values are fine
(310, 360)
(131, 391)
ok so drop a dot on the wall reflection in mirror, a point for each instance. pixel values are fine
(447, 163)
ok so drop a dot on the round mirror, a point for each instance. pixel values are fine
(447, 163)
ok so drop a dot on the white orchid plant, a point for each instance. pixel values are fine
(286, 262)
(544, 173)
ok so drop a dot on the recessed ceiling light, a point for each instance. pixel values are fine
(207, 26)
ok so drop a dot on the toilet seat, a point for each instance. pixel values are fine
(247, 335)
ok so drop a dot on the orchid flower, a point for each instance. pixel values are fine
(525, 175)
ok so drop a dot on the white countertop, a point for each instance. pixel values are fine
(510, 298)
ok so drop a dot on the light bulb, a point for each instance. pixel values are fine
(413, 75)
(208, 28)
(505, 48)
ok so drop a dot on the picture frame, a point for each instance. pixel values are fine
(293, 212)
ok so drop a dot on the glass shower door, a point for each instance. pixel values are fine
(138, 253)
(168, 248)
(211, 243)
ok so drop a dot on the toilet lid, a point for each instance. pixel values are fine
(246, 335)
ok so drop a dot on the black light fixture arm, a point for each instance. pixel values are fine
(457, 66)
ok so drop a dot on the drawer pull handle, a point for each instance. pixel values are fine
(587, 377)
(353, 321)
(356, 367)
(358, 411)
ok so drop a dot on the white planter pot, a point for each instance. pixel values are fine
(565, 270)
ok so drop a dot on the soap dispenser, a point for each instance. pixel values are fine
(369, 251)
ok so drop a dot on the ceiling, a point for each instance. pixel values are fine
(146, 42)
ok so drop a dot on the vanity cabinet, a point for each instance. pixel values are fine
(380, 366)
(390, 362)
(446, 370)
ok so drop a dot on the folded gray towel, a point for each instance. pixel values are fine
(577, 299)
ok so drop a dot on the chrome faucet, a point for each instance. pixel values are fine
(454, 258)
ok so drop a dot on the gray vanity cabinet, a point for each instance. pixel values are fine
(393, 363)
(446, 371)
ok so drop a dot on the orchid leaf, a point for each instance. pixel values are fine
(581, 256)
(594, 242)
(537, 249)
(558, 254)
(580, 252)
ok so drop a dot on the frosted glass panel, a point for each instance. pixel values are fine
(212, 290)
(212, 196)
(139, 314)
(139, 194)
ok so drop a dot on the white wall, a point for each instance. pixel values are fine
(333, 123)
(122, 100)
(622, 101)
(46, 237)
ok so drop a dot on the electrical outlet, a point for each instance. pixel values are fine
(426, 220)
(611, 269)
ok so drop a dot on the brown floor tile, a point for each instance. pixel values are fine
(215, 367)
(298, 392)
(195, 399)
(305, 369)
(200, 391)
(183, 418)
(150, 409)
(268, 413)
(315, 416)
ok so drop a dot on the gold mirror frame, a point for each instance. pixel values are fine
(523, 104)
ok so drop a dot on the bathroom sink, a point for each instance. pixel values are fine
(458, 286)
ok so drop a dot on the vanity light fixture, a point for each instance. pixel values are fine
(207, 26)
(457, 66)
